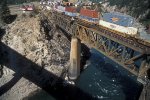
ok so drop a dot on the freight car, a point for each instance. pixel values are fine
(119, 19)
(89, 15)
(122, 29)
(71, 11)
(60, 9)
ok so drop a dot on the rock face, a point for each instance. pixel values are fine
(32, 61)
(136, 8)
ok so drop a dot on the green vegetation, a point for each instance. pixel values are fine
(98, 7)
(4, 12)
(20, 1)
(136, 8)
(96, 1)
(5, 16)
(145, 22)
(65, 0)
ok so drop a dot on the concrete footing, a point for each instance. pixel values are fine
(74, 68)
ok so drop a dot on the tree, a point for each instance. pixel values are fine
(100, 8)
(1, 22)
(65, 0)
(4, 11)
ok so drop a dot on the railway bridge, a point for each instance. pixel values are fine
(130, 52)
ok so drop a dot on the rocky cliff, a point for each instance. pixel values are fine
(31, 60)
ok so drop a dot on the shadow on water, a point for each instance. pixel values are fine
(85, 55)
(131, 88)
(39, 76)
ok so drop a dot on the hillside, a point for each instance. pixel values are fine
(137, 8)
(19, 1)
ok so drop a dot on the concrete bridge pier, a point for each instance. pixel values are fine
(74, 68)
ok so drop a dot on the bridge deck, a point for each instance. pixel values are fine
(134, 42)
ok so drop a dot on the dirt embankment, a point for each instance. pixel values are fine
(28, 47)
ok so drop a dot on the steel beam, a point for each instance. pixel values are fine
(131, 61)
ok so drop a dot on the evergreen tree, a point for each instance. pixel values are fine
(1, 22)
(4, 11)
(65, 0)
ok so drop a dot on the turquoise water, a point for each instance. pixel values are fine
(103, 80)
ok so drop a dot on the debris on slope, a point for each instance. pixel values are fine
(26, 37)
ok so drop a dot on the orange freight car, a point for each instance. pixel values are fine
(89, 13)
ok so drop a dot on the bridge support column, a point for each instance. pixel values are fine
(74, 69)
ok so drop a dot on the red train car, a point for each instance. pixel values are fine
(89, 13)
(27, 7)
(70, 9)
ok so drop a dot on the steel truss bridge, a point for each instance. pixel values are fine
(130, 52)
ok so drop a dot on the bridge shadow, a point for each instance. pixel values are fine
(46, 80)
(10, 84)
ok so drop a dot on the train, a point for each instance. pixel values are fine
(94, 17)
(27, 7)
